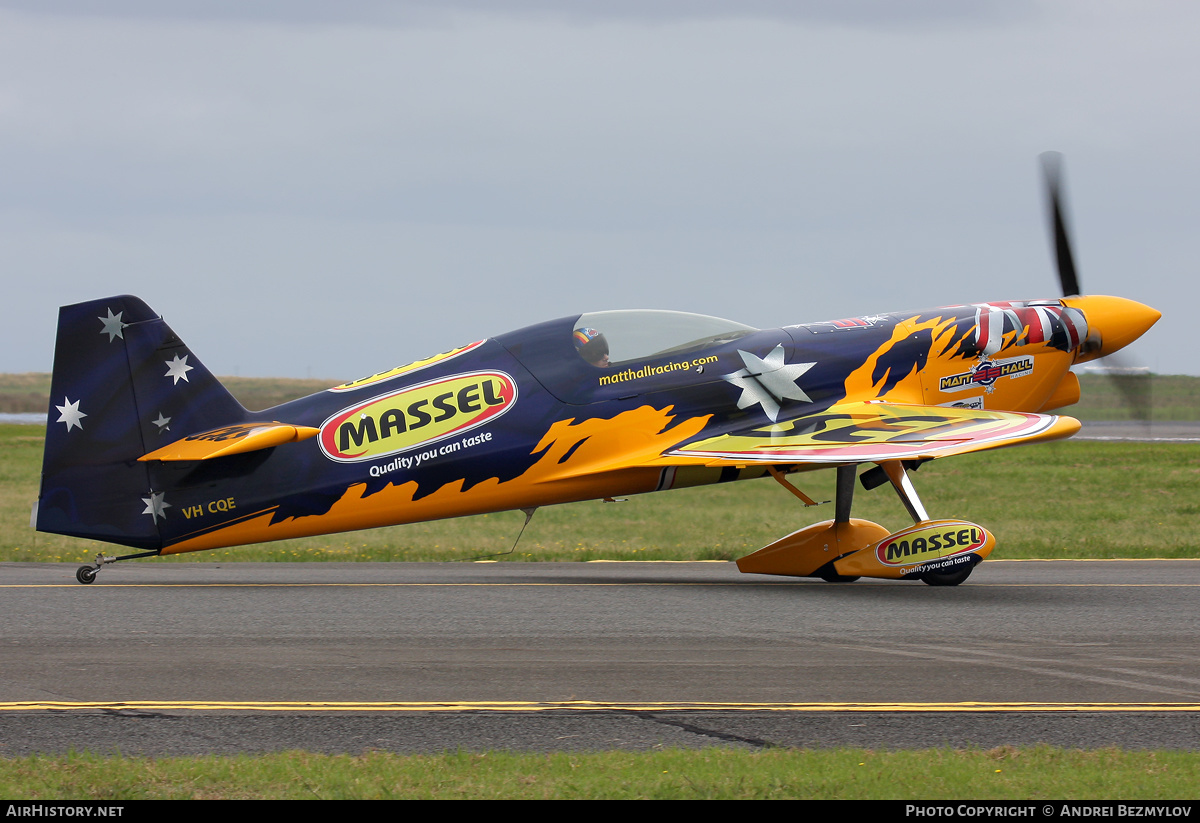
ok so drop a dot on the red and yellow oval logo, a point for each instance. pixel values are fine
(932, 541)
(408, 368)
(417, 415)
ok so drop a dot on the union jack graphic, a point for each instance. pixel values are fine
(1042, 322)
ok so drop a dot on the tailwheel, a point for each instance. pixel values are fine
(947, 578)
(87, 574)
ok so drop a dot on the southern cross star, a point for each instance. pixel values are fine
(177, 369)
(113, 326)
(767, 381)
(162, 422)
(155, 506)
(70, 414)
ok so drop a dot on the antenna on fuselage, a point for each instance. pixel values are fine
(528, 516)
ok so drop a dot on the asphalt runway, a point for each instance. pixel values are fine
(191, 658)
(1159, 431)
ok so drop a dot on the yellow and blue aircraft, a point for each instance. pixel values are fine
(145, 448)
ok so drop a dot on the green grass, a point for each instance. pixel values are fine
(1033, 774)
(1165, 396)
(1071, 499)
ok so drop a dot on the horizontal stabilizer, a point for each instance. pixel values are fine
(227, 440)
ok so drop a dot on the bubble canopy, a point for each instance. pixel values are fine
(562, 354)
(638, 334)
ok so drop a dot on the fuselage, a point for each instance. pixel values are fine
(523, 420)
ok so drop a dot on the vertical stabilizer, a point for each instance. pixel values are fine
(124, 384)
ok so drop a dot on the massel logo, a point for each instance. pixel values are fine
(420, 414)
(409, 368)
(923, 543)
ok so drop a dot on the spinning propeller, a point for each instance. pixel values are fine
(1116, 316)
(1052, 170)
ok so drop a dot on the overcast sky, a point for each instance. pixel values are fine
(329, 189)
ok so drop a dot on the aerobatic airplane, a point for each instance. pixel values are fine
(145, 448)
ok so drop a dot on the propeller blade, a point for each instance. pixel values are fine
(1121, 322)
(1052, 169)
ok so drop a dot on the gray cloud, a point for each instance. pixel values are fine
(335, 199)
(857, 13)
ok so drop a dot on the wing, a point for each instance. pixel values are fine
(863, 432)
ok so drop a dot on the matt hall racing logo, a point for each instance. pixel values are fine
(986, 373)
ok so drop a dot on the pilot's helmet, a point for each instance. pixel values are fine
(591, 345)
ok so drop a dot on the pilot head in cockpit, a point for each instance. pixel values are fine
(592, 347)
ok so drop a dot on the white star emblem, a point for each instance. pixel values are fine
(156, 506)
(162, 422)
(113, 326)
(70, 414)
(177, 369)
(766, 381)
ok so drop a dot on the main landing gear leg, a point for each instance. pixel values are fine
(87, 574)
(903, 485)
(841, 514)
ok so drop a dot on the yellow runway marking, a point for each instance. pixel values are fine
(741, 585)
(578, 705)
(601, 584)
(408, 585)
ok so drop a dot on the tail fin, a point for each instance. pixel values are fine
(124, 385)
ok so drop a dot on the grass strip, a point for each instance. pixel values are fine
(1034, 773)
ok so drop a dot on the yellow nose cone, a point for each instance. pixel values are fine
(1118, 322)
